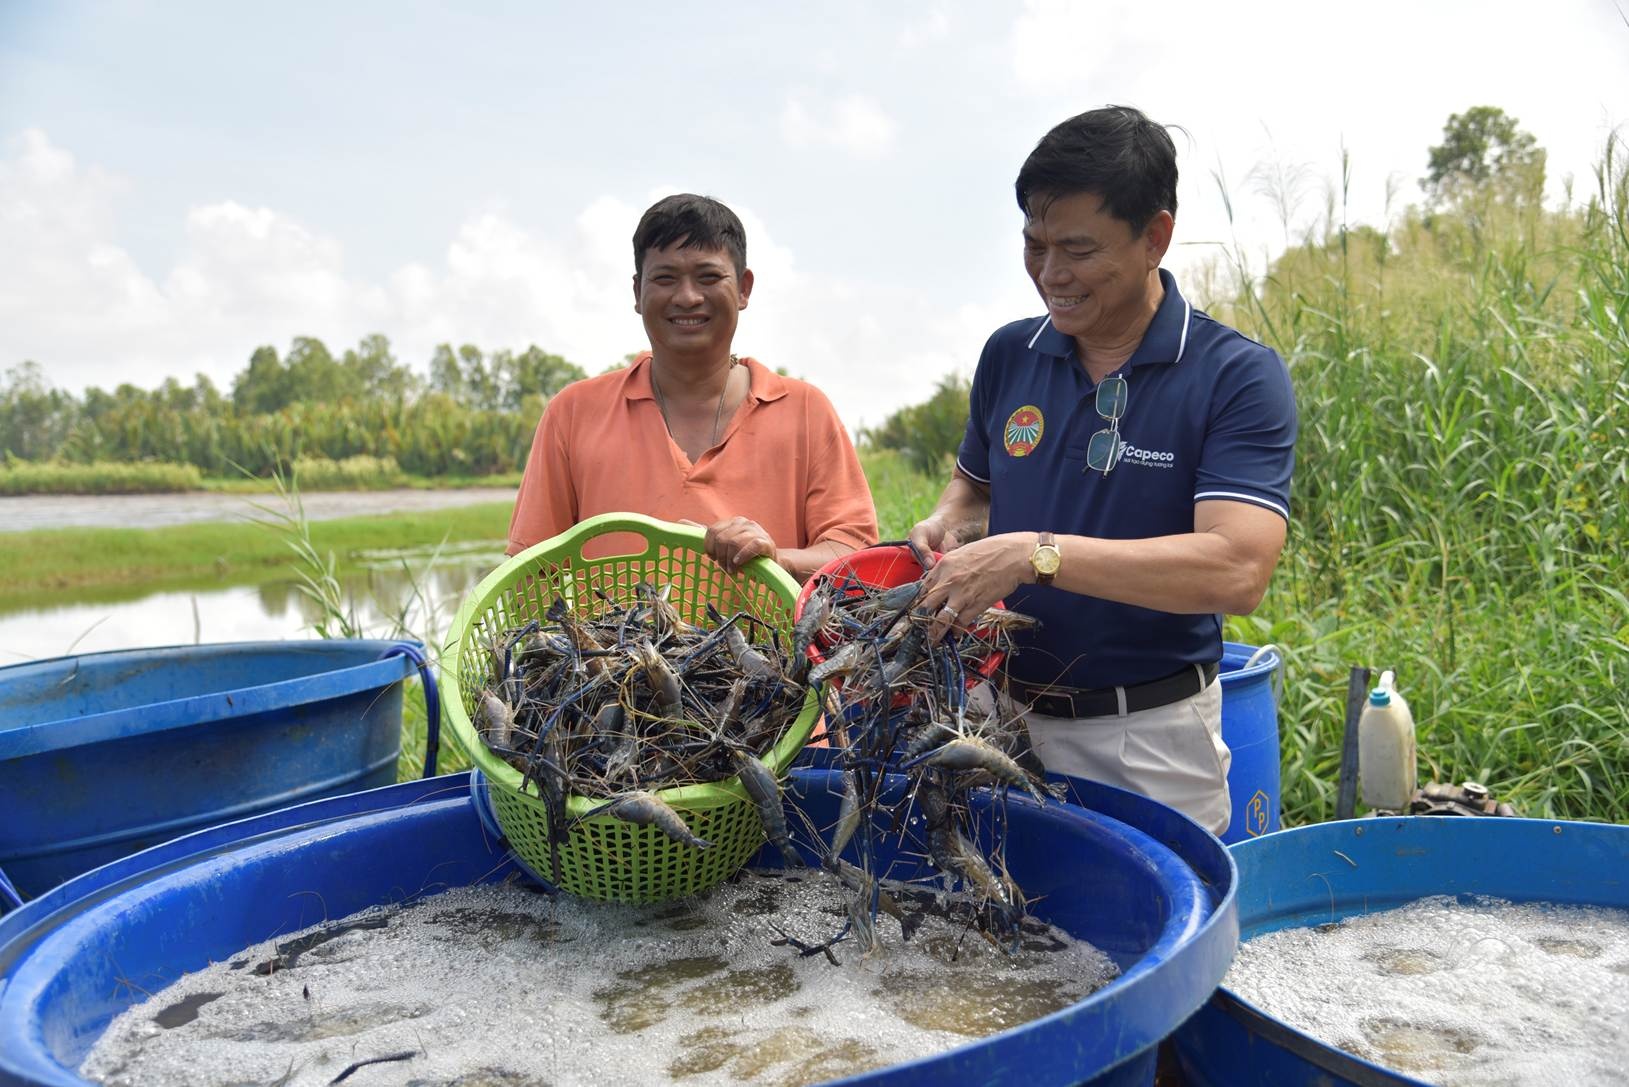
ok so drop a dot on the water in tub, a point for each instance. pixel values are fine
(1457, 990)
(499, 985)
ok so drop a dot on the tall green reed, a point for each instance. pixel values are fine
(1458, 516)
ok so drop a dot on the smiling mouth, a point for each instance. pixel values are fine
(688, 322)
(1058, 301)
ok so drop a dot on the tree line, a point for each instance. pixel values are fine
(471, 414)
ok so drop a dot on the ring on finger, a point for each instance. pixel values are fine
(952, 612)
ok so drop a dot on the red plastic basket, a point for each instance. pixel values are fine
(883, 567)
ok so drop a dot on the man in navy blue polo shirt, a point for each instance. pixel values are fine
(1124, 477)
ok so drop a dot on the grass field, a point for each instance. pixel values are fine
(23, 477)
(1463, 387)
(42, 567)
(312, 473)
(418, 483)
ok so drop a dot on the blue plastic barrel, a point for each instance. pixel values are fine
(105, 754)
(1315, 874)
(1250, 728)
(1143, 883)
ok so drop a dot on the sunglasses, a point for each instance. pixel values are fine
(1103, 450)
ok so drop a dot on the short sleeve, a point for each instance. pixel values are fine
(1249, 450)
(838, 506)
(973, 456)
(547, 502)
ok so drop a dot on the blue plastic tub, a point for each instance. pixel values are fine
(1141, 881)
(105, 754)
(1250, 728)
(1296, 878)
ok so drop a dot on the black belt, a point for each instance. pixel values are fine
(1114, 701)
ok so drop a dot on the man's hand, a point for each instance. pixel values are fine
(930, 535)
(966, 505)
(972, 577)
(734, 542)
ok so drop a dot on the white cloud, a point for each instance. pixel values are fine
(854, 124)
(933, 28)
(1278, 89)
(72, 299)
(1058, 45)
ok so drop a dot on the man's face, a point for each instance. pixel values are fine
(690, 299)
(1091, 269)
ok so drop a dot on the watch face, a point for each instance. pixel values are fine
(1045, 560)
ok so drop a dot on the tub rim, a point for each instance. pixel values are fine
(1328, 1058)
(45, 737)
(1151, 999)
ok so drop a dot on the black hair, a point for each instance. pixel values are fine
(694, 222)
(1115, 152)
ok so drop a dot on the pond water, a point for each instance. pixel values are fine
(388, 593)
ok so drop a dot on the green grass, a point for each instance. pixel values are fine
(240, 485)
(19, 477)
(1458, 502)
(45, 567)
(361, 473)
(410, 764)
(903, 496)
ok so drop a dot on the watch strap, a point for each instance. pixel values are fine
(1044, 539)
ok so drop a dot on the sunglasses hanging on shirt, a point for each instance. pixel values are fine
(1104, 448)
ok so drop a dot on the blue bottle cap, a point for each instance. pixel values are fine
(1380, 697)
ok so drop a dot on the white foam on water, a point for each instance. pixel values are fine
(499, 985)
(1481, 991)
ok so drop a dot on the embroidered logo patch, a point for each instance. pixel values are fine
(1023, 432)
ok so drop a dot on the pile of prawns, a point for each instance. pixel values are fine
(635, 699)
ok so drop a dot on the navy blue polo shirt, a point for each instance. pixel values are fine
(1209, 415)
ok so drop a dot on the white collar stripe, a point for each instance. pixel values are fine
(1044, 322)
(1182, 344)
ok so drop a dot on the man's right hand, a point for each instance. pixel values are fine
(965, 503)
(930, 536)
(736, 541)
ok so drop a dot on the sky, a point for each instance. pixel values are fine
(180, 183)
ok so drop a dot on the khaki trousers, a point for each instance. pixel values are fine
(1172, 753)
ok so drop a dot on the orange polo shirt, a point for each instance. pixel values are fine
(784, 461)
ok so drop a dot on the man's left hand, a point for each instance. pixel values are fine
(734, 542)
(974, 576)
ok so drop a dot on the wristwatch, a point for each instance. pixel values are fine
(1046, 558)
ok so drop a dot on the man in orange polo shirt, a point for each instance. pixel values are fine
(690, 432)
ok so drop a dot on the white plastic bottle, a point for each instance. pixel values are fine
(1386, 768)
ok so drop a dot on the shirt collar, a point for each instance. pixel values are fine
(1165, 341)
(765, 383)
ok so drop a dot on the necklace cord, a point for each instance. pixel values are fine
(718, 412)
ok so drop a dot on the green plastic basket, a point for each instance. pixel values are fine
(604, 857)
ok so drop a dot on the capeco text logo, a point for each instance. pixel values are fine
(1148, 458)
(1023, 431)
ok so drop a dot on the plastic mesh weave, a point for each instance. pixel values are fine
(604, 857)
